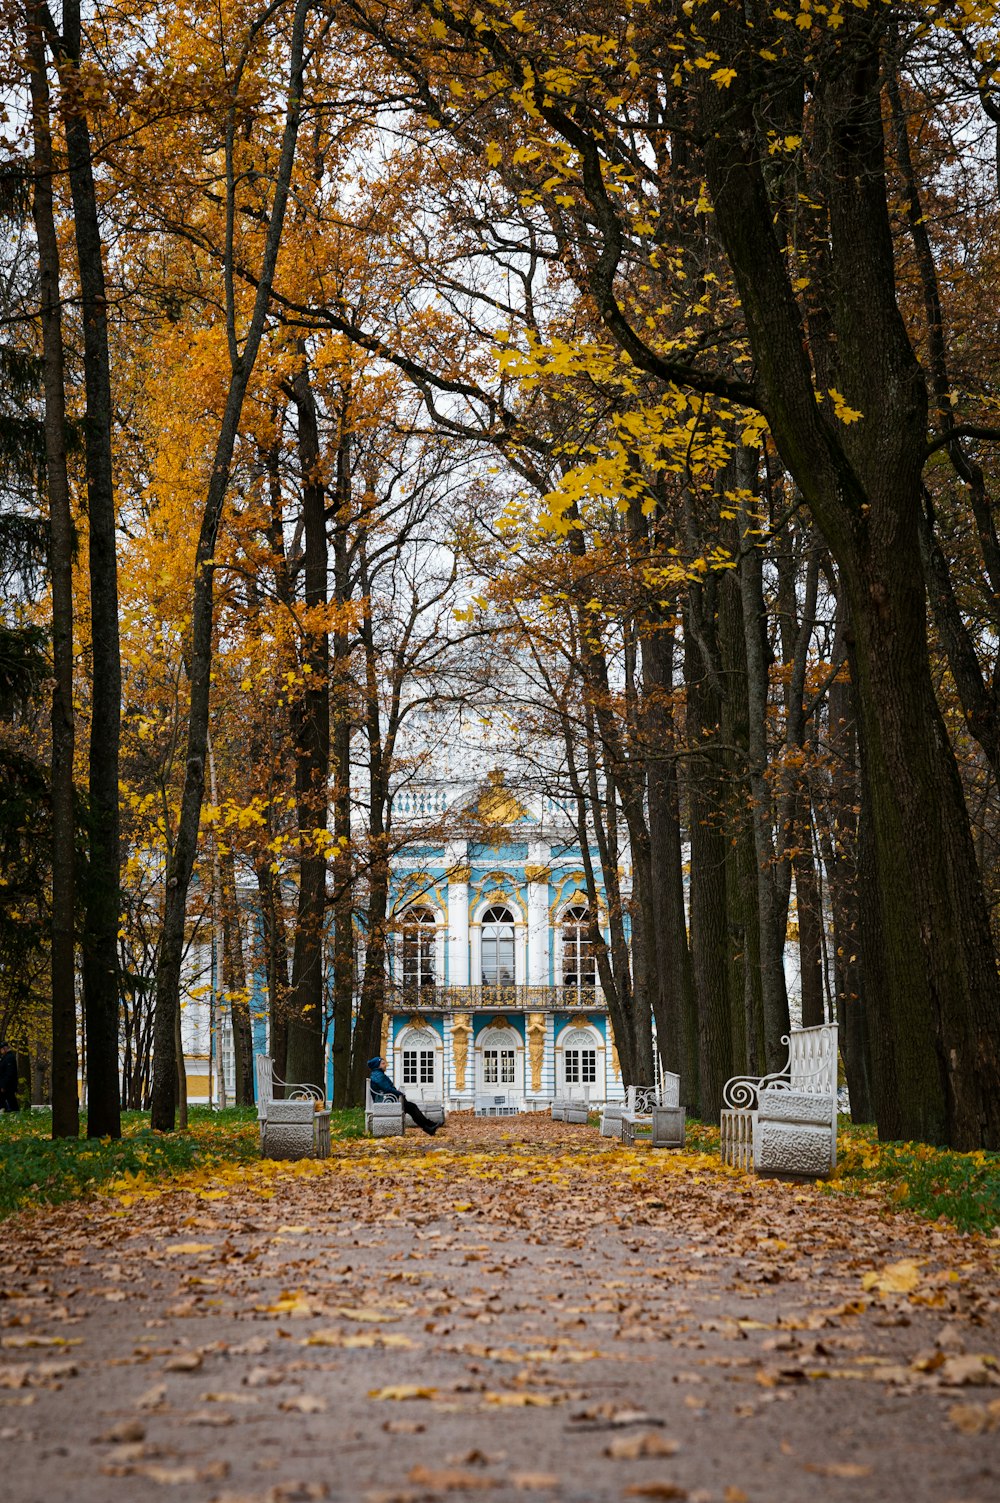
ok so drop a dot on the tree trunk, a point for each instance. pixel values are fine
(235, 980)
(275, 963)
(710, 944)
(65, 1062)
(341, 686)
(941, 1001)
(676, 1011)
(101, 921)
(305, 1061)
(182, 857)
(770, 914)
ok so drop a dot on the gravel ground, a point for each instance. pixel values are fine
(517, 1311)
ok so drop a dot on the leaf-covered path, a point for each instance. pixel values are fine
(514, 1310)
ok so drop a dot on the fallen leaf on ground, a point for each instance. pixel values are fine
(894, 1278)
(124, 1431)
(183, 1362)
(450, 1479)
(975, 1419)
(303, 1403)
(402, 1391)
(837, 1468)
(655, 1490)
(631, 1447)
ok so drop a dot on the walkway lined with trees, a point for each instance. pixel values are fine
(623, 378)
(519, 1309)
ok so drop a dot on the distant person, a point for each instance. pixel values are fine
(8, 1078)
(383, 1086)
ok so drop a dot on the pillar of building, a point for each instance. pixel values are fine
(536, 874)
(456, 856)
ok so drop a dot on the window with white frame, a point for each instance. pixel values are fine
(418, 943)
(498, 1066)
(581, 1066)
(579, 966)
(498, 947)
(418, 1066)
(579, 1057)
(419, 1052)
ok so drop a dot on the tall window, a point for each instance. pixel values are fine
(498, 947)
(418, 949)
(579, 968)
(498, 1067)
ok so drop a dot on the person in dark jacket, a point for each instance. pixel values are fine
(8, 1078)
(383, 1086)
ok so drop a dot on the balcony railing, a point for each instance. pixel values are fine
(493, 998)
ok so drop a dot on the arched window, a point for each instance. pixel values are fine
(418, 949)
(579, 968)
(579, 1049)
(498, 947)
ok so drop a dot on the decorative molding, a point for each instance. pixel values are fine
(535, 1030)
(459, 874)
(537, 873)
(461, 1032)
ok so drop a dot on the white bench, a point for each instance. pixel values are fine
(574, 1106)
(642, 1103)
(786, 1123)
(384, 1115)
(496, 1106)
(297, 1127)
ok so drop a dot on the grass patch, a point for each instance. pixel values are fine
(964, 1188)
(34, 1170)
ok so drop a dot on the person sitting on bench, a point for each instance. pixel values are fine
(384, 1087)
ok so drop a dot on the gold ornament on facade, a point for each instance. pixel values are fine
(384, 1037)
(536, 1047)
(537, 873)
(457, 874)
(615, 1061)
(461, 1032)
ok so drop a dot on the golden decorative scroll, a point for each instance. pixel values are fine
(615, 1061)
(537, 873)
(383, 1047)
(536, 1047)
(461, 1032)
(460, 873)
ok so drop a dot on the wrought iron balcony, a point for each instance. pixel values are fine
(399, 998)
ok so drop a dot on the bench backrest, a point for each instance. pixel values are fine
(264, 1073)
(812, 1059)
(376, 1098)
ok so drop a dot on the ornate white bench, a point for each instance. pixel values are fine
(384, 1115)
(297, 1127)
(642, 1103)
(574, 1106)
(786, 1123)
(496, 1106)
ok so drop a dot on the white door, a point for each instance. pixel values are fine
(499, 1063)
(419, 1074)
(579, 1056)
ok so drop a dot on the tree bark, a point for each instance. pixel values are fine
(235, 980)
(102, 895)
(182, 858)
(710, 940)
(305, 1054)
(942, 998)
(65, 1061)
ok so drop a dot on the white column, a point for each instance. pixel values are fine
(458, 913)
(537, 876)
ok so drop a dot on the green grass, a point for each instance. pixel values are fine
(34, 1170)
(964, 1188)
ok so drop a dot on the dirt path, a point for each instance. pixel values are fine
(515, 1311)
